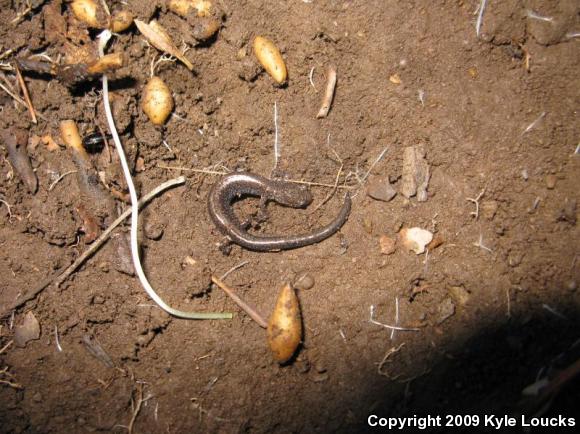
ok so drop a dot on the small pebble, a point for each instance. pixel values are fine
(571, 285)
(381, 189)
(388, 245)
(415, 239)
(97, 299)
(304, 281)
(153, 230)
(550, 181)
(37, 397)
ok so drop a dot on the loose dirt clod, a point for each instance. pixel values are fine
(15, 141)
(29, 330)
(415, 179)
(388, 245)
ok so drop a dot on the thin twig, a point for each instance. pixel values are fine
(5, 347)
(390, 327)
(252, 312)
(26, 95)
(15, 97)
(379, 158)
(234, 268)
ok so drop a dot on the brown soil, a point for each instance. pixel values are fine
(490, 317)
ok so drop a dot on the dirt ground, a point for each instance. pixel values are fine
(494, 308)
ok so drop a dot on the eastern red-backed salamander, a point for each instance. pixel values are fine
(236, 185)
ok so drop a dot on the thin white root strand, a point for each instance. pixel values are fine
(390, 327)
(103, 39)
(479, 20)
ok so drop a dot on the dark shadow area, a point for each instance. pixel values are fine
(485, 374)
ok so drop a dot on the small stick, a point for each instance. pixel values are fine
(390, 327)
(234, 268)
(245, 307)
(15, 97)
(479, 21)
(379, 158)
(328, 93)
(5, 347)
(25, 94)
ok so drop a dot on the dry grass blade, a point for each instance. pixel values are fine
(160, 39)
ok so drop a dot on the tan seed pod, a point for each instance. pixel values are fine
(285, 325)
(184, 7)
(205, 28)
(270, 58)
(157, 101)
(121, 21)
(89, 12)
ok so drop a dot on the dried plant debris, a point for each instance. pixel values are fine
(416, 174)
(157, 36)
(73, 74)
(28, 331)
(15, 141)
(96, 350)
